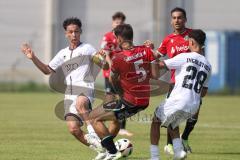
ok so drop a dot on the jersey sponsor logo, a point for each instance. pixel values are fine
(172, 50)
(71, 67)
(179, 48)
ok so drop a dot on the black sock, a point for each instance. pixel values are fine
(169, 139)
(107, 142)
(188, 128)
(123, 124)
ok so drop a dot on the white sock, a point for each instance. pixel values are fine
(90, 129)
(154, 150)
(177, 144)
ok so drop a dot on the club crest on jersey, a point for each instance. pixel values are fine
(172, 40)
(186, 38)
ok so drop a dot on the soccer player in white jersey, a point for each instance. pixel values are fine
(77, 62)
(191, 80)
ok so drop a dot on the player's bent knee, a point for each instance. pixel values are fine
(156, 120)
(191, 122)
(74, 130)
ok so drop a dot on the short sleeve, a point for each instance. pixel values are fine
(57, 61)
(91, 51)
(205, 84)
(162, 49)
(150, 55)
(175, 62)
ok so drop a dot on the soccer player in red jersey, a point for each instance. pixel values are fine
(172, 45)
(109, 45)
(131, 71)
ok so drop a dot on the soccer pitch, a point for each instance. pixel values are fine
(30, 130)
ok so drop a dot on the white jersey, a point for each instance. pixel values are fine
(77, 67)
(191, 75)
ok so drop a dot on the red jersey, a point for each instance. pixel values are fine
(109, 43)
(174, 44)
(134, 68)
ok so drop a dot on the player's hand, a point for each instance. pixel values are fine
(102, 53)
(149, 43)
(27, 50)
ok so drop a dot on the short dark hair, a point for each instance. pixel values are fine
(72, 20)
(198, 35)
(119, 15)
(178, 9)
(125, 31)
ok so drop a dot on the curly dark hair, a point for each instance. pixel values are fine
(72, 20)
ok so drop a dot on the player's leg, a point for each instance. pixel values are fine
(159, 117)
(83, 107)
(154, 137)
(74, 127)
(111, 96)
(179, 152)
(111, 112)
(114, 127)
(73, 119)
(168, 148)
(98, 116)
(191, 122)
(123, 131)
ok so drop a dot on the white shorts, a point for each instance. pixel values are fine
(70, 106)
(174, 112)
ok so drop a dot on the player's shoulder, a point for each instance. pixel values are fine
(142, 47)
(63, 51)
(184, 55)
(86, 48)
(117, 54)
(206, 61)
(168, 37)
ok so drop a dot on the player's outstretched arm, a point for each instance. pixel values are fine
(100, 59)
(155, 69)
(27, 50)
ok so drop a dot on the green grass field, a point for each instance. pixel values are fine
(30, 130)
